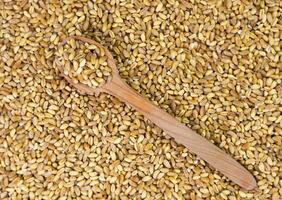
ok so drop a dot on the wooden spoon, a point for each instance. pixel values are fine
(181, 133)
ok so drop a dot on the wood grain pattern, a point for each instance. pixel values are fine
(182, 134)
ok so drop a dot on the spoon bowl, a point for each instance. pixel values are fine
(83, 88)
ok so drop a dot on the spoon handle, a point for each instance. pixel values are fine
(182, 134)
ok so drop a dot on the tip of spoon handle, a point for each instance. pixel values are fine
(247, 181)
(252, 185)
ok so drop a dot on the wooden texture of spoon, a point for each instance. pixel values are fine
(181, 133)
